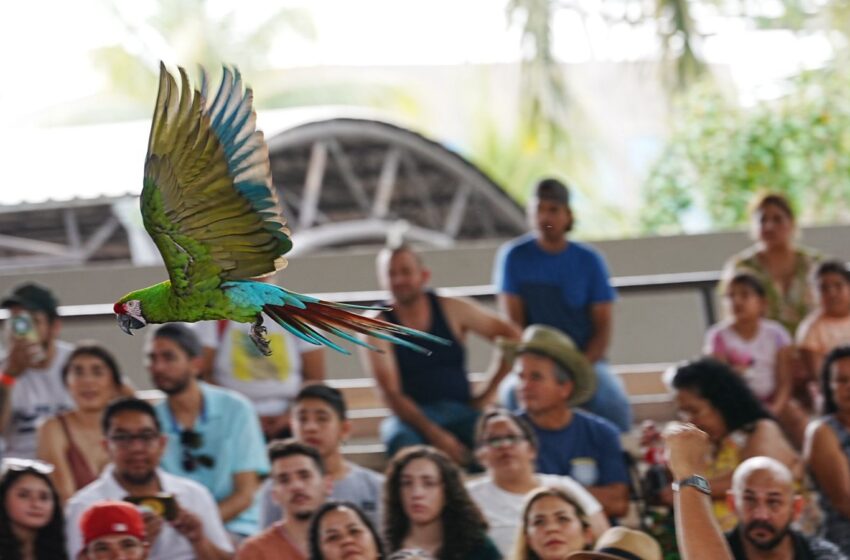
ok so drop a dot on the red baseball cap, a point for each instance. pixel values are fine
(111, 518)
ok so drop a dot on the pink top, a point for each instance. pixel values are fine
(821, 334)
(755, 357)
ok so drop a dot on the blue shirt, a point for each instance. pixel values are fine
(231, 436)
(557, 289)
(587, 449)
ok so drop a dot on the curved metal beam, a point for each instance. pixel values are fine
(417, 144)
(309, 240)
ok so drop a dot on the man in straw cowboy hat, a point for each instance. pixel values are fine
(554, 377)
(618, 543)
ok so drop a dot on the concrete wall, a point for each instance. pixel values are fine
(656, 327)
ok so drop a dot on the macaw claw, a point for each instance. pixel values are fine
(258, 335)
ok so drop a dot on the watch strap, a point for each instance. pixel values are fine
(696, 481)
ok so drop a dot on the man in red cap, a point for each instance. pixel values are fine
(113, 531)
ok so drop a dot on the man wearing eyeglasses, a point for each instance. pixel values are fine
(181, 519)
(113, 531)
(214, 435)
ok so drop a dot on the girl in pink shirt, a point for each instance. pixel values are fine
(758, 349)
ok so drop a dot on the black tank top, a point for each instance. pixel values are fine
(440, 376)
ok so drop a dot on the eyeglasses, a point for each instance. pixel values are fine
(126, 440)
(504, 441)
(130, 548)
(190, 439)
(19, 465)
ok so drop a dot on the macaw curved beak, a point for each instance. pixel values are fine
(128, 323)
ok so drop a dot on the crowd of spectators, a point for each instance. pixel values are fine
(242, 456)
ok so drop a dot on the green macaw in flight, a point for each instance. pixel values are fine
(209, 204)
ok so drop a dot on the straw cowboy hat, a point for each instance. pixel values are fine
(554, 344)
(619, 543)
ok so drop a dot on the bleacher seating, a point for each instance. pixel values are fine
(647, 394)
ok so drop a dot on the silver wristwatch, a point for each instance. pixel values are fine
(697, 481)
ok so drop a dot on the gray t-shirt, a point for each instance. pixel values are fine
(362, 487)
(37, 395)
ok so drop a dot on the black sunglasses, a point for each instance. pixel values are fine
(190, 439)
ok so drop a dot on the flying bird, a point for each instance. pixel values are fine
(209, 204)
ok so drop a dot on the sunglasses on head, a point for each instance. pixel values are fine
(19, 465)
(190, 439)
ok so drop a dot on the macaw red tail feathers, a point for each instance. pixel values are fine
(340, 319)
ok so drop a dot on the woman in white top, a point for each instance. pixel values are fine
(507, 447)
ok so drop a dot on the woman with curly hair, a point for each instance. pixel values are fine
(553, 526)
(710, 395)
(427, 507)
(32, 526)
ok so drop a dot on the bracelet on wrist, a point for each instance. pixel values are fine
(6, 379)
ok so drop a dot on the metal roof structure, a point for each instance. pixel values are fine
(341, 182)
(356, 181)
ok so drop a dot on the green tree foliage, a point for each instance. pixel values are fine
(720, 155)
(183, 32)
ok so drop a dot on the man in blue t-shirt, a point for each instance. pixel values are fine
(554, 376)
(214, 435)
(542, 278)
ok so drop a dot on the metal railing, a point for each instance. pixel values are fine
(702, 282)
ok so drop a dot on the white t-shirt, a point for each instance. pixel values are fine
(37, 395)
(503, 510)
(269, 382)
(169, 545)
(757, 356)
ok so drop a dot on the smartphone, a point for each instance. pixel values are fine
(22, 328)
(164, 505)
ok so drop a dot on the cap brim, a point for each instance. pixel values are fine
(28, 304)
(9, 301)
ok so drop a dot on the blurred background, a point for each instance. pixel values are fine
(666, 114)
(430, 120)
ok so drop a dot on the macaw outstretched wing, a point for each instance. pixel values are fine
(208, 200)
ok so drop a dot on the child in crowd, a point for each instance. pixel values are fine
(829, 326)
(755, 347)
